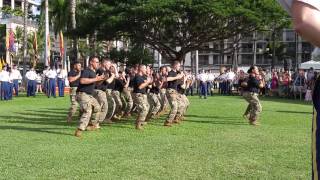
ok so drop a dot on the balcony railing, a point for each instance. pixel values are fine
(17, 19)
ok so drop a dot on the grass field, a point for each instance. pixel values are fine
(213, 143)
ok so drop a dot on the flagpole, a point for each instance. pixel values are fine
(46, 53)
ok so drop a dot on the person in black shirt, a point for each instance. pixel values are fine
(101, 88)
(110, 87)
(154, 96)
(127, 90)
(172, 95)
(117, 89)
(250, 94)
(90, 107)
(141, 82)
(74, 80)
(183, 102)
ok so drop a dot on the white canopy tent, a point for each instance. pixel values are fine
(309, 64)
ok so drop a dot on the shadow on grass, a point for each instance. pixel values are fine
(42, 130)
(294, 112)
(216, 120)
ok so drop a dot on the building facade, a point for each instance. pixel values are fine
(10, 22)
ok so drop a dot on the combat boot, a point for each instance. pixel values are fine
(167, 124)
(108, 121)
(139, 126)
(92, 128)
(253, 122)
(69, 119)
(78, 133)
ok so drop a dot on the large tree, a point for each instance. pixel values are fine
(176, 27)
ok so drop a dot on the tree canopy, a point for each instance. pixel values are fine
(176, 27)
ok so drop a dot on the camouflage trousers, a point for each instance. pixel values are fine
(73, 102)
(154, 102)
(172, 96)
(163, 99)
(183, 104)
(111, 104)
(118, 102)
(102, 99)
(142, 106)
(127, 100)
(254, 108)
(90, 109)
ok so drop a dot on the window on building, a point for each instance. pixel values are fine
(289, 35)
(246, 59)
(216, 59)
(203, 60)
(246, 47)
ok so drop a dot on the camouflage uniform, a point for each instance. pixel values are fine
(102, 99)
(142, 105)
(118, 102)
(127, 99)
(90, 108)
(254, 108)
(163, 100)
(73, 100)
(154, 103)
(111, 104)
(172, 96)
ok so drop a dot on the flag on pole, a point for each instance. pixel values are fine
(11, 41)
(35, 43)
(61, 44)
(1, 63)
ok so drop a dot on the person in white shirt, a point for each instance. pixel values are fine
(222, 79)
(31, 76)
(39, 80)
(210, 82)
(15, 75)
(52, 76)
(230, 75)
(202, 78)
(61, 75)
(4, 79)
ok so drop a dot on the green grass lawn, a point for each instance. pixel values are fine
(213, 143)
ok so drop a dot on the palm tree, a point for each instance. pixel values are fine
(73, 5)
(58, 15)
(25, 36)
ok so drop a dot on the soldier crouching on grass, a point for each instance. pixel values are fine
(250, 94)
(89, 106)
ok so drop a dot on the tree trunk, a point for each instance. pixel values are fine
(73, 5)
(273, 49)
(25, 40)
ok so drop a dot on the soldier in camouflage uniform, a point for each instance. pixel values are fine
(126, 95)
(73, 78)
(88, 104)
(154, 97)
(101, 87)
(110, 87)
(140, 97)
(250, 94)
(163, 97)
(172, 94)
